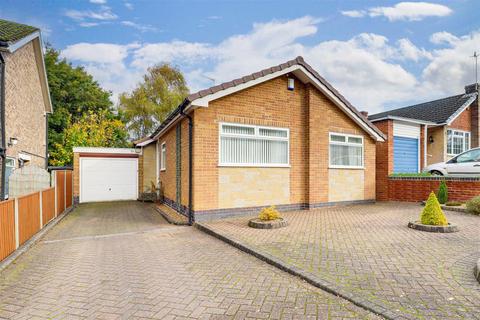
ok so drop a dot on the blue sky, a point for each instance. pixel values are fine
(379, 54)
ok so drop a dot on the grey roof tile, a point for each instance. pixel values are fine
(437, 111)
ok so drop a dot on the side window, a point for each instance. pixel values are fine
(470, 156)
(9, 167)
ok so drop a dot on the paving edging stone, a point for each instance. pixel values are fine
(260, 224)
(170, 219)
(304, 275)
(33, 240)
(428, 228)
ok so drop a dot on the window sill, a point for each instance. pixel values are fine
(252, 166)
(346, 167)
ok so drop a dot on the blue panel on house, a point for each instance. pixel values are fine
(405, 155)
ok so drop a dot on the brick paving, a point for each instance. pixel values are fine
(368, 251)
(123, 261)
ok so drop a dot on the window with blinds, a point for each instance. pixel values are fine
(346, 151)
(245, 145)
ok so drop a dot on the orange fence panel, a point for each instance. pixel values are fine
(60, 184)
(48, 205)
(28, 216)
(7, 228)
(69, 188)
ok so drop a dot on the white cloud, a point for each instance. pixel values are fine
(367, 69)
(452, 67)
(443, 38)
(105, 13)
(98, 1)
(354, 13)
(410, 11)
(138, 26)
(128, 5)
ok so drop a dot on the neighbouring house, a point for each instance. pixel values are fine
(24, 100)
(282, 136)
(444, 128)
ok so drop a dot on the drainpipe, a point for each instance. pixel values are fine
(46, 140)
(191, 218)
(425, 139)
(3, 148)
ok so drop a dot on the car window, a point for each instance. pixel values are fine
(469, 156)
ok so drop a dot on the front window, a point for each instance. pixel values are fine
(457, 141)
(346, 151)
(246, 145)
(163, 157)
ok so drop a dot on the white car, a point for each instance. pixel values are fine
(465, 164)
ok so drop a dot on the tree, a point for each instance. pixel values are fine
(74, 93)
(163, 88)
(99, 129)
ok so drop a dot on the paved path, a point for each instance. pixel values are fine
(367, 250)
(122, 261)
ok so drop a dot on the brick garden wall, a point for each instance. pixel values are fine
(418, 189)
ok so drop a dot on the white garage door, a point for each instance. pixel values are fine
(108, 179)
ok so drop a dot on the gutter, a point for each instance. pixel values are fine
(3, 149)
(191, 218)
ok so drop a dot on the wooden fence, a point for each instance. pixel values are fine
(21, 218)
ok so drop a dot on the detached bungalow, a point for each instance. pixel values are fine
(444, 128)
(281, 136)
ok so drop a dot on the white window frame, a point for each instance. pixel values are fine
(256, 136)
(14, 162)
(453, 134)
(163, 156)
(330, 142)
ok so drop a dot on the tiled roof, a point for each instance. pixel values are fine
(11, 32)
(297, 61)
(437, 111)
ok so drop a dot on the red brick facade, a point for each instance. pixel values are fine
(415, 190)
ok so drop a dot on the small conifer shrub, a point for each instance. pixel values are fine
(268, 214)
(432, 214)
(443, 193)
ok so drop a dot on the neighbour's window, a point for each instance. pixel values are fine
(457, 141)
(246, 145)
(9, 167)
(163, 156)
(346, 151)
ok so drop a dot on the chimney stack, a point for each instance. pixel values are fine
(472, 88)
(364, 113)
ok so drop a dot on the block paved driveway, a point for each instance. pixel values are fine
(368, 251)
(122, 261)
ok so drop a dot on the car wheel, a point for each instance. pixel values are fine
(436, 173)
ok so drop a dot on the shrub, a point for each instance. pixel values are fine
(270, 213)
(432, 214)
(473, 205)
(453, 204)
(443, 193)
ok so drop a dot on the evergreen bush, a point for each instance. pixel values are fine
(432, 214)
(473, 205)
(443, 193)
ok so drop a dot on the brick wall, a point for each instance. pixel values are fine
(418, 189)
(463, 121)
(24, 105)
(384, 159)
(305, 111)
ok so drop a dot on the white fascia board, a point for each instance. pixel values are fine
(20, 43)
(461, 109)
(105, 150)
(144, 143)
(405, 120)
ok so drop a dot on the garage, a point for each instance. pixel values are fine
(406, 147)
(106, 174)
